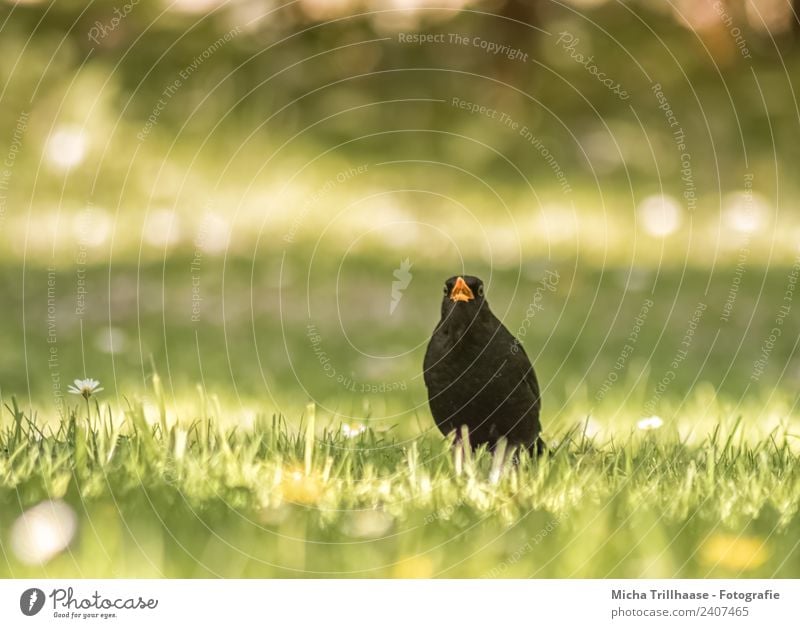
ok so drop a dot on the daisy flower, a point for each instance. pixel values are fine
(351, 431)
(650, 423)
(85, 387)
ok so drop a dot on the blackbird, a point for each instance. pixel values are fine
(478, 374)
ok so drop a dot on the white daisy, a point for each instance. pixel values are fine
(351, 431)
(85, 387)
(650, 423)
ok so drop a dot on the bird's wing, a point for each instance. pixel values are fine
(533, 383)
(427, 363)
(519, 364)
(425, 375)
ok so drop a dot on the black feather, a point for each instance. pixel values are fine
(478, 374)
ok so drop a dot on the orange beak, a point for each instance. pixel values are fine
(461, 291)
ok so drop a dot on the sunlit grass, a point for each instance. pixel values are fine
(268, 196)
(201, 496)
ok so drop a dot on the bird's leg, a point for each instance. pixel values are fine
(458, 458)
(498, 460)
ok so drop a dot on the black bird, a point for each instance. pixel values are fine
(478, 374)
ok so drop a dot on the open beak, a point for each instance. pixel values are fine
(461, 291)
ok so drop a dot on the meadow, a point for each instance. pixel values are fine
(199, 500)
(671, 453)
(238, 217)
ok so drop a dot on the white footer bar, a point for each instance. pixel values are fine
(390, 603)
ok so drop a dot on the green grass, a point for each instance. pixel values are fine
(166, 481)
(201, 497)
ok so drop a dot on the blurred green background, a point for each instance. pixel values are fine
(260, 202)
(202, 181)
(189, 186)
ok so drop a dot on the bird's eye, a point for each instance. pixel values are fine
(480, 291)
(445, 290)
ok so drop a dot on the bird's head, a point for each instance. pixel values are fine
(462, 297)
